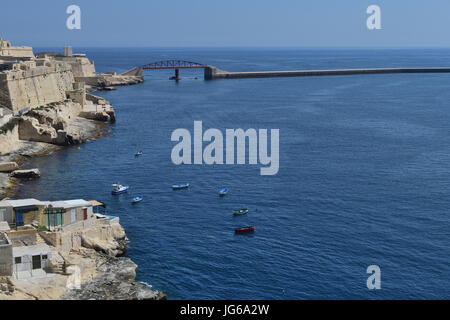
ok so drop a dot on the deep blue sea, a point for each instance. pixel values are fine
(364, 175)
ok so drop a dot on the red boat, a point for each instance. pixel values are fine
(244, 229)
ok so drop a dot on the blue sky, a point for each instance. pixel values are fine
(210, 23)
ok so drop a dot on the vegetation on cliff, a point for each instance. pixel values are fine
(10, 125)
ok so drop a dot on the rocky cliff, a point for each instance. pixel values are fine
(89, 254)
(56, 124)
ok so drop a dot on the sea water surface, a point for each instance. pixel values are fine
(364, 175)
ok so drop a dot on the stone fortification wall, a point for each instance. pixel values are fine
(35, 87)
(7, 50)
(81, 66)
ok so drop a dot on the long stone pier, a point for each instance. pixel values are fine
(212, 73)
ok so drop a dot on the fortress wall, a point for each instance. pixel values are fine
(81, 67)
(36, 87)
(19, 52)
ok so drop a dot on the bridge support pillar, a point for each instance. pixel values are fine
(177, 75)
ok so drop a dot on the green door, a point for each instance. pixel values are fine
(55, 219)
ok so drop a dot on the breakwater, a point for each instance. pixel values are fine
(212, 73)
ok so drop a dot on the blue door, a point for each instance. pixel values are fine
(19, 219)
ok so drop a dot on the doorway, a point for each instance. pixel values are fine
(37, 262)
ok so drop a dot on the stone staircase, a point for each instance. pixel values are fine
(39, 239)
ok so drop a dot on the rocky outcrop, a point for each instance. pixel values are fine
(114, 244)
(58, 123)
(105, 81)
(6, 286)
(103, 235)
(8, 166)
(115, 281)
(26, 174)
(101, 274)
(31, 129)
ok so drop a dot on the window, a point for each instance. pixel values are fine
(44, 257)
(18, 260)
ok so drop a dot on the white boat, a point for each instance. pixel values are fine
(118, 189)
(180, 186)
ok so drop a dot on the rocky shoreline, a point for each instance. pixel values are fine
(102, 272)
(44, 130)
(116, 281)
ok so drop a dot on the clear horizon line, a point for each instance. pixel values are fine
(249, 47)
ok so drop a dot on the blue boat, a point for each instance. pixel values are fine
(180, 186)
(223, 192)
(119, 189)
(137, 199)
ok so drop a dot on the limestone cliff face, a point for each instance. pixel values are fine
(102, 235)
(114, 281)
(9, 139)
(63, 123)
(51, 124)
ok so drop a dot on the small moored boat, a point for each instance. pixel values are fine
(118, 189)
(240, 212)
(137, 199)
(244, 229)
(138, 154)
(180, 186)
(223, 192)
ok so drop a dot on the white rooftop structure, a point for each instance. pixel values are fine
(41, 248)
(22, 203)
(71, 203)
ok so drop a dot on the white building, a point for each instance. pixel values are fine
(31, 261)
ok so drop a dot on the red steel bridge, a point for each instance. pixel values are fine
(175, 65)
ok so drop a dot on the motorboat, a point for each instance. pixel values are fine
(119, 189)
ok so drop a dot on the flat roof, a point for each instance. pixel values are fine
(40, 248)
(3, 204)
(23, 203)
(57, 204)
(71, 203)
(96, 203)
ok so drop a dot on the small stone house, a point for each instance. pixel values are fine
(44, 213)
(62, 213)
(22, 212)
(31, 261)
